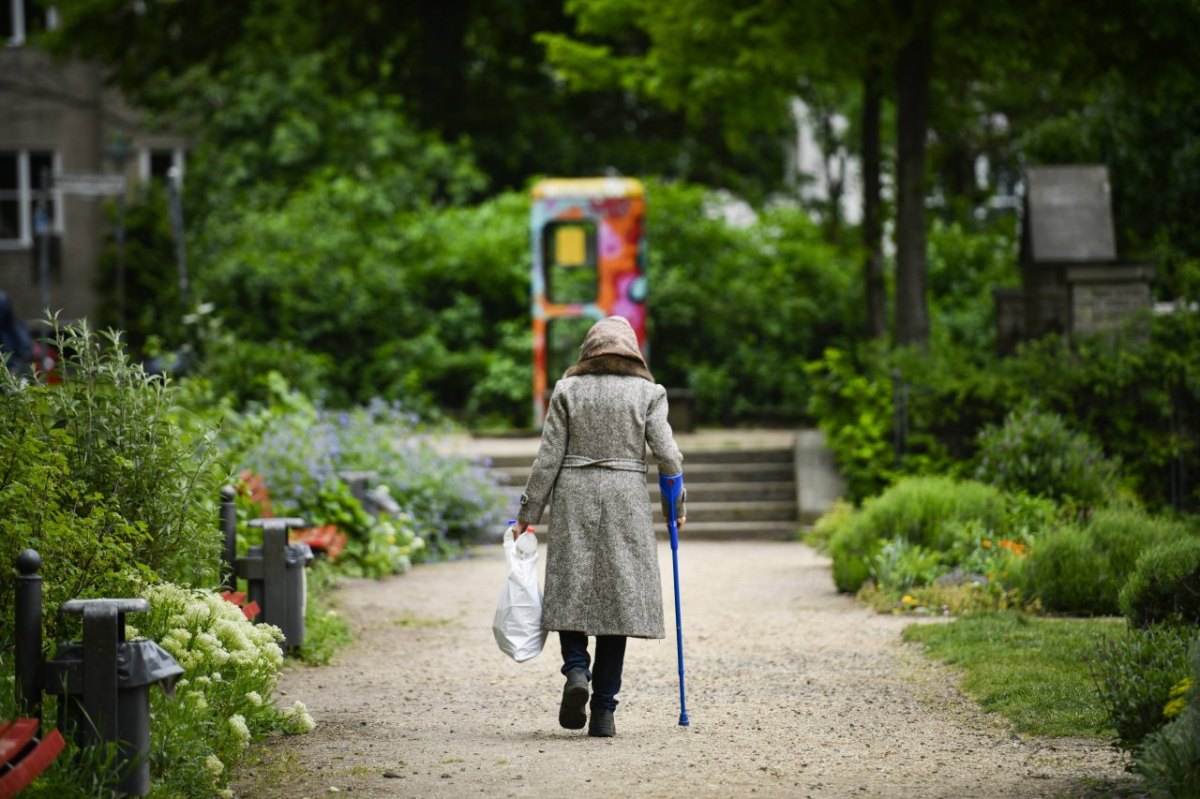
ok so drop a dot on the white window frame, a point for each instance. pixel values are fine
(16, 15)
(26, 195)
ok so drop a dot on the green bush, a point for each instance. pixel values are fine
(965, 266)
(1169, 758)
(853, 407)
(407, 302)
(237, 370)
(1124, 532)
(852, 547)
(1135, 392)
(824, 528)
(1036, 453)
(430, 305)
(1135, 674)
(926, 511)
(1164, 585)
(1066, 571)
(98, 476)
(375, 547)
(736, 311)
(1083, 567)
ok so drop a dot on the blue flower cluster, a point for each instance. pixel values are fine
(302, 448)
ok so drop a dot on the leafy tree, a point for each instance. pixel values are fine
(468, 72)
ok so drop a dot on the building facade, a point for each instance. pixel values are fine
(58, 119)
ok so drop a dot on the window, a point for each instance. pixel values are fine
(20, 176)
(19, 19)
(156, 164)
(569, 249)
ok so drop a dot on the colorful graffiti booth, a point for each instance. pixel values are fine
(589, 262)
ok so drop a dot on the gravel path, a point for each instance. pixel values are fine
(793, 691)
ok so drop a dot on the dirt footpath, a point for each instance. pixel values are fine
(793, 691)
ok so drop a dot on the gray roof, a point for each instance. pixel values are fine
(1069, 214)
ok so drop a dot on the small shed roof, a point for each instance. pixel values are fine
(589, 188)
(1068, 215)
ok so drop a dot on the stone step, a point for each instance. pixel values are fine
(767, 491)
(732, 531)
(718, 531)
(725, 512)
(757, 491)
(697, 457)
(692, 473)
(735, 511)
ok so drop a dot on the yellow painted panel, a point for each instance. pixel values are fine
(570, 245)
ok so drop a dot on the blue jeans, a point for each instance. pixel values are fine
(610, 659)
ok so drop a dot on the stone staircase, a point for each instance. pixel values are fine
(734, 493)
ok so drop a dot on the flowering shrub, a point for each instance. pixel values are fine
(299, 450)
(224, 700)
(1135, 675)
(1169, 758)
(938, 543)
(376, 546)
(927, 511)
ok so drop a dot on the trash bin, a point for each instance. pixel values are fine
(282, 607)
(105, 693)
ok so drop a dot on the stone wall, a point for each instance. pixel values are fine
(1103, 296)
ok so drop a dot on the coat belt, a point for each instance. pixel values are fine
(616, 464)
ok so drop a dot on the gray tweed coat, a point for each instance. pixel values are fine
(602, 573)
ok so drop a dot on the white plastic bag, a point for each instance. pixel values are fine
(517, 624)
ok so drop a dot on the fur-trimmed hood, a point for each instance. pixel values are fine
(611, 348)
(610, 365)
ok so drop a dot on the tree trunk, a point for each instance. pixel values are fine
(912, 121)
(875, 293)
(443, 49)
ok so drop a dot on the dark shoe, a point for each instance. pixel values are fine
(575, 696)
(602, 725)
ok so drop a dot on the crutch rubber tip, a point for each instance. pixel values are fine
(683, 720)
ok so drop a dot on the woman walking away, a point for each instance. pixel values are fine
(602, 575)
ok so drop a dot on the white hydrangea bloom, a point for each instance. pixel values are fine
(297, 719)
(198, 614)
(254, 698)
(237, 723)
(214, 765)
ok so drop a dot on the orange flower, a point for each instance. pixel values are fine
(1014, 547)
(986, 544)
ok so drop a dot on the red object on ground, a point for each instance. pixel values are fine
(327, 538)
(24, 755)
(255, 487)
(249, 609)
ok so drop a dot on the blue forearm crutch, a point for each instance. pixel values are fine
(672, 488)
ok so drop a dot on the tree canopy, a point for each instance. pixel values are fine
(440, 102)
